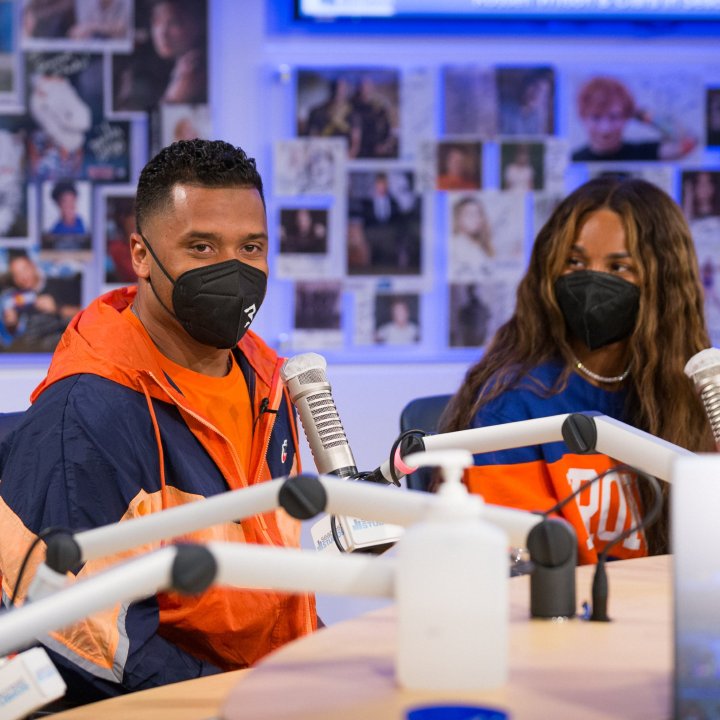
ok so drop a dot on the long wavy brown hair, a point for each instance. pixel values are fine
(670, 326)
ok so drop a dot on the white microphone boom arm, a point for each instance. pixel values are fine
(583, 432)
(191, 569)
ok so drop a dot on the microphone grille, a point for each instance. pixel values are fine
(326, 420)
(297, 366)
(312, 376)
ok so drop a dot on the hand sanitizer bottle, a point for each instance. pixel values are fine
(452, 590)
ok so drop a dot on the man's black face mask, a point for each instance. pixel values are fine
(599, 308)
(215, 303)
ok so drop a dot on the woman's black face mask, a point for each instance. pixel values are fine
(215, 303)
(599, 308)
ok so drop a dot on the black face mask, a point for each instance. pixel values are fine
(215, 303)
(599, 308)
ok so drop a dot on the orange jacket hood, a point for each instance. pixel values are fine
(91, 341)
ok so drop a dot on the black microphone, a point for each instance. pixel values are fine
(311, 394)
(703, 369)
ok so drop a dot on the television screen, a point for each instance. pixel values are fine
(598, 10)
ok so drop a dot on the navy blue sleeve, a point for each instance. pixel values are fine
(82, 453)
(506, 408)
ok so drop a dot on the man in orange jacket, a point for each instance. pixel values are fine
(156, 397)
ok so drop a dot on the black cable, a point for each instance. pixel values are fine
(47, 532)
(363, 475)
(374, 476)
(600, 584)
(583, 486)
(406, 433)
(336, 537)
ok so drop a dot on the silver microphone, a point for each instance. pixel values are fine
(704, 370)
(311, 393)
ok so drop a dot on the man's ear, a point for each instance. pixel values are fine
(140, 256)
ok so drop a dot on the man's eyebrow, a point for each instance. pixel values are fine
(256, 236)
(200, 235)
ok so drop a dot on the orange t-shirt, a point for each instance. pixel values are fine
(223, 401)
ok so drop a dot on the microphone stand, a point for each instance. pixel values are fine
(191, 569)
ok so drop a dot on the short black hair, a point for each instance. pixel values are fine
(203, 163)
(61, 187)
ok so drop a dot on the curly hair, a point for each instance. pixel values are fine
(670, 327)
(204, 163)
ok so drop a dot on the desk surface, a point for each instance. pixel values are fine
(191, 700)
(574, 670)
(571, 670)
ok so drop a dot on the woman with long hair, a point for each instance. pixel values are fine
(607, 315)
(471, 245)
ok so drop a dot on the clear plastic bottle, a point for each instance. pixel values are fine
(452, 590)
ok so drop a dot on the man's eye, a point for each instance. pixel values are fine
(201, 247)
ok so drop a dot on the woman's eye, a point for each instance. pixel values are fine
(575, 262)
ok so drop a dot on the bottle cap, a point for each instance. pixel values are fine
(456, 712)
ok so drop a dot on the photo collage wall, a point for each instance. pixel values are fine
(408, 200)
(82, 84)
(402, 202)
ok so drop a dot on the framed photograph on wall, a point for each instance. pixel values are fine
(469, 101)
(478, 309)
(712, 116)
(97, 25)
(459, 165)
(358, 104)
(486, 234)
(116, 224)
(526, 100)
(168, 62)
(318, 314)
(180, 121)
(522, 166)
(306, 248)
(69, 136)
(10, 66)
(17, 206)
(397, 319)
(384, 232)
(700, 194)
(66, 222)
(309, 166)
(618, 116)
(38, 298)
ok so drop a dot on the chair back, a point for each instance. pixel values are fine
(8, 422)
(422, 414)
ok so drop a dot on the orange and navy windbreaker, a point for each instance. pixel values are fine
(537, 477)
(109, 437)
